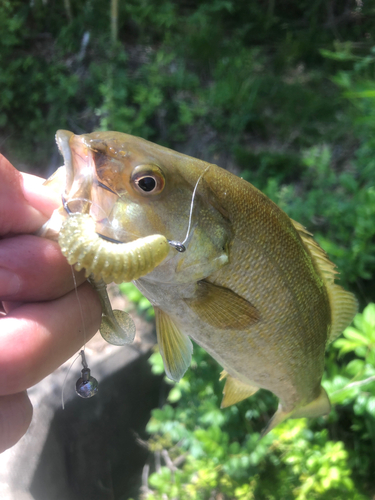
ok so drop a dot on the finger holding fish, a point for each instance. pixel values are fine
(43, 325)
(36, 338)
(34, 269)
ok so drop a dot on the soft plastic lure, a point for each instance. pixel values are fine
(102, 259)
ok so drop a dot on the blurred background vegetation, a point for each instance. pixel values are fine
(279, 92)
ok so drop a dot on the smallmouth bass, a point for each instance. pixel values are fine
(247, 283)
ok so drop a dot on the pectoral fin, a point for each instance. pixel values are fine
(316, 408)
(235, 391)
(175, 347)
(222, 308)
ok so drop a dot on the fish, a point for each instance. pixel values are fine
(235, 273)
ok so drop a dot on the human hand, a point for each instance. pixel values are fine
(41, 325)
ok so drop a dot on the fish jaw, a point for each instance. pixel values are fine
(61, 182)
(76, 182)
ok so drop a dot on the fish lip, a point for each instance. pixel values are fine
(62, 139)
(63, 143)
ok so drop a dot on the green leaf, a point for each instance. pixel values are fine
(369, 315)
(356, 336)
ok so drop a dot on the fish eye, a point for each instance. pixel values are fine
(147, 179)
(147, 184)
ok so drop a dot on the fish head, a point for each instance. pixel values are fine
(133, 188)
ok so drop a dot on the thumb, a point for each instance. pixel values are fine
(24, 203)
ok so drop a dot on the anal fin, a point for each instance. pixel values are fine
(175, 347)
(235, 391)
(222, 308)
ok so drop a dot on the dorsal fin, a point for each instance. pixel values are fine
(234, 390)
(326, 267)
(343, 304)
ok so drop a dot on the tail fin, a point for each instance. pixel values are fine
(316, 408)
(343, 304)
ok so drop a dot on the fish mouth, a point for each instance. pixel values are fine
(81, 183)
(77, 160)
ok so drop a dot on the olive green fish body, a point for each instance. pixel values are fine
(252, 287)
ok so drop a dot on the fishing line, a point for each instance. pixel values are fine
(180, 245)
(86, 386)
(192, 204)
(65, 379)
(80, 308)
(84, 337)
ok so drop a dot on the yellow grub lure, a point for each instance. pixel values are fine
(103, 259)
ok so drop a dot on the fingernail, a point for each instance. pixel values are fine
(10, 283)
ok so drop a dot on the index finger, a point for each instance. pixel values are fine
(36, 338)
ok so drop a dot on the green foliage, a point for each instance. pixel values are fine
(340, 207)
(219, 451)
(351, 385)
(335, 197)
(266, 88)
(232, 70)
